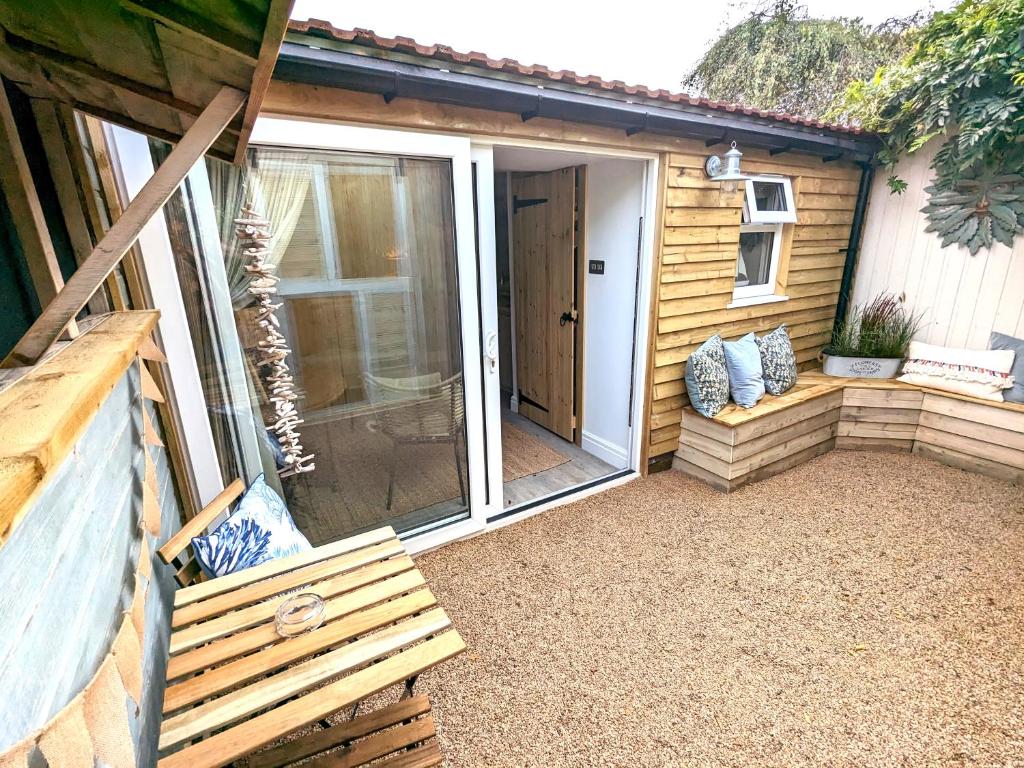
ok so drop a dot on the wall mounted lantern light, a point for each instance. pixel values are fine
(727, 171)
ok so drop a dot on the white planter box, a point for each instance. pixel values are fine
(862, 367)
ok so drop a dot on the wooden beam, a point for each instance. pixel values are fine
(273, 36)
(182, 20)
(55, 145)
(125, 231)
(27, 214)
(90, 199)
(49, 57)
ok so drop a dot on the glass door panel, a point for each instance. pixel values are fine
(370, 307)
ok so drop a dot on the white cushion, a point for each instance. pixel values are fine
(982, 373)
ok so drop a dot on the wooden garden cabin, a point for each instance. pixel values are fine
(522, 258)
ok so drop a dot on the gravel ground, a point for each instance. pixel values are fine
(860, 610)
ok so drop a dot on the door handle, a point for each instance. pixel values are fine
(568, 317)
(491, 349)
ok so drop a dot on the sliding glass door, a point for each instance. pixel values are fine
(373, 247)
(375, 311)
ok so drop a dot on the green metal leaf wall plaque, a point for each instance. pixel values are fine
(977, 210)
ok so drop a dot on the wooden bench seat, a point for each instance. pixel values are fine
(821, 412)
(402, 734)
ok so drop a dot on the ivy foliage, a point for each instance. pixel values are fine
(962, 82)
(780, 59)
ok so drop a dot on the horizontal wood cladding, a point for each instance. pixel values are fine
(697, 269)
(727, 457)
(698, 235)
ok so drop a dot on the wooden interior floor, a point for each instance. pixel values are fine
(580, 467)
(347, 492)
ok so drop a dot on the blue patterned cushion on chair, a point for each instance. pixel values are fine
(261, 529)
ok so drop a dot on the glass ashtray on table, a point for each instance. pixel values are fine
(298, 614)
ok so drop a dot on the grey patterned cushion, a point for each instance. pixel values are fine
(707, 378)
(778, 362)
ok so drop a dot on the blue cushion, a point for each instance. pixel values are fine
(261, 529)
(707, 380)
(1014, 394)
(743, 359)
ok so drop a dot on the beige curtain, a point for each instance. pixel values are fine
(281, 182)
(229, 184)
(276, 184)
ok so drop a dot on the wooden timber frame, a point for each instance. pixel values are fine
(91, 274)
(696, 235)
(174, 73)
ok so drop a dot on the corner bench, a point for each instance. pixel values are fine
(821, 412)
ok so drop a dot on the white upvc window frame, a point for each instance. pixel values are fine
(743, 292)
(764, 221)
(752, 215)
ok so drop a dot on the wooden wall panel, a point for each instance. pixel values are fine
(72, 569)
(699, 231)
(963, 298)
(701, 227)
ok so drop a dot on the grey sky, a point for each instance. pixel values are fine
(641, 41)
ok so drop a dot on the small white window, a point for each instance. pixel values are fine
(757, 264)
(767, 205)
(769, 200)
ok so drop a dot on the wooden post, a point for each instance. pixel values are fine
(55, 145)
(27, 214)
(125, 231)
(98, 222)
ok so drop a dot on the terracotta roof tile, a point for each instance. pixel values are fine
(446, 53)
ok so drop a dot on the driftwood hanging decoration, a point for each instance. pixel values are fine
(253, 235)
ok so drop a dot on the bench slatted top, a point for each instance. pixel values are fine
(234, 685)
(813, 384)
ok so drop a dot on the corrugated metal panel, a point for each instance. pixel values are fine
(69, 574)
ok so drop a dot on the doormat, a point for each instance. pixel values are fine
(523, 454)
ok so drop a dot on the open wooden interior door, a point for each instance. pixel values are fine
(543, 244)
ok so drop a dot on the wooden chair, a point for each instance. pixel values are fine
(419, 410)
(177, 551)
(402, 733)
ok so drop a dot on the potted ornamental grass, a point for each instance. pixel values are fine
(872, 341)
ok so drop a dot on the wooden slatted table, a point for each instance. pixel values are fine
(234, 685)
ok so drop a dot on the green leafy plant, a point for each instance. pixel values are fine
(963, 83)
(882, 328)
(781, 59)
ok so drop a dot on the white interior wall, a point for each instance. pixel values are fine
(963, 298)
(615, 196)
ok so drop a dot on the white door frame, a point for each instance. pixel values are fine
(308, 134)
(483, 159)
(483, 152)
(649, 207)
